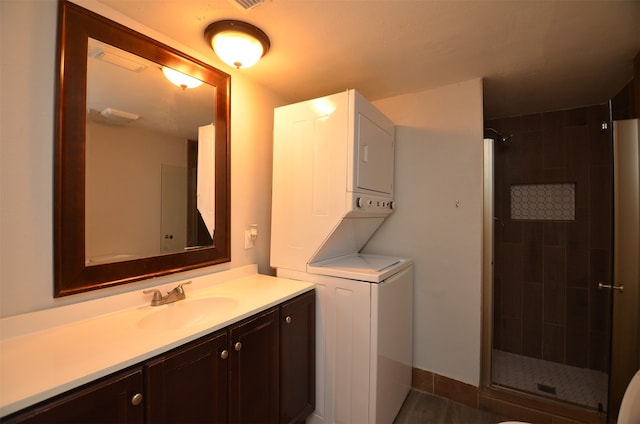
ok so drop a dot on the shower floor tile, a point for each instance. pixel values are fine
(572, 384)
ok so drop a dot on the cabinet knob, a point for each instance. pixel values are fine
(238, 346)
(288, 319)
(224, 354)
(136, 399)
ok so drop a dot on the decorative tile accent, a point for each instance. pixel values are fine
(547, 202)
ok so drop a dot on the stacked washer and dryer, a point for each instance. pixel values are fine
(333, 167)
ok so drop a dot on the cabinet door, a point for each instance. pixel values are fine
(116, 399)
(297, 358)
(253, 370)
(189, 384)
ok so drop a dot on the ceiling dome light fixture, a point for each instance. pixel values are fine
(237, 43)
(183, 81)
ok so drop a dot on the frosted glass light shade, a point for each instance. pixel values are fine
(237, 43)
(180, 79)
(237, 49)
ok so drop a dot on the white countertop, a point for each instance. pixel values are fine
(46, 353)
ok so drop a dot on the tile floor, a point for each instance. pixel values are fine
(576, 385)
(425, 408)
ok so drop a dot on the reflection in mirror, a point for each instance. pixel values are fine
(149, 159)
(142, 177)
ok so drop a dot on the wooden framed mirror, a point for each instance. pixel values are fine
(142, 166)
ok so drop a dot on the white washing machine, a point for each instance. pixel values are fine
(364, 327)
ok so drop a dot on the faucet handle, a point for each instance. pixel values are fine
(179, 289)
(157, 296)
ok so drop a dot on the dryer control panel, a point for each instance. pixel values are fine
(369, 205)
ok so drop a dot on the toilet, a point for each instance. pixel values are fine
(629, 408)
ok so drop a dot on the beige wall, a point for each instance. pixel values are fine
(26, 159)
(439, 162)
(438, 222)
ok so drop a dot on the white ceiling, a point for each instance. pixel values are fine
(534, 55)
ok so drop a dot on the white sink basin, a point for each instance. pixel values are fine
(185, 313)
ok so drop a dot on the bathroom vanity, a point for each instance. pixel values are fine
(251, 360)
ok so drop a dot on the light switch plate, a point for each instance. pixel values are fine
(248, 241)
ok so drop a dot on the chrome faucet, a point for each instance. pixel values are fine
(172, 296)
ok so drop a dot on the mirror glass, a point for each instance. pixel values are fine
(148, 146)
(142, 178)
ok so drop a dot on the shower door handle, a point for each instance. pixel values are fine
(620, 288)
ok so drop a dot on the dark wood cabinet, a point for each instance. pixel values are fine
(189, 384)
(259, 370)
(115, 399)
(297, 358)
(254, 370)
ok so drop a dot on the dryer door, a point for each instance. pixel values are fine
(375, 157)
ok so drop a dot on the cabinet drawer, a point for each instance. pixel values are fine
(115, 399)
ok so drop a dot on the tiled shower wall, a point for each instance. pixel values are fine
(546, 299)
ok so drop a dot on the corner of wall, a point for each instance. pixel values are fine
(438, 222)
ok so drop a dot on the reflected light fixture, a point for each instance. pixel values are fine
(119, 116)
(237, 43)
(183, 81)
